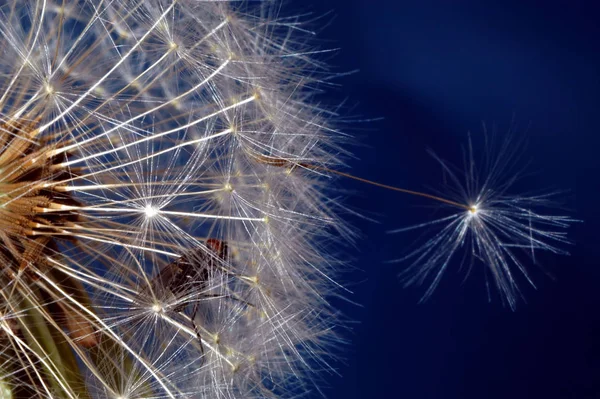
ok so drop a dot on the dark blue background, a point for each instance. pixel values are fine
(435, 70)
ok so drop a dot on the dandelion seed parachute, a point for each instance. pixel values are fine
(487, 223)
(131, 134)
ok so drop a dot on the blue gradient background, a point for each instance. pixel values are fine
(435, 70)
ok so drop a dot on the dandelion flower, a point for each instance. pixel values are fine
(148, 248)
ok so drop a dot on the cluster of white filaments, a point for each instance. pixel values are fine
(153, 240)
(492, 227)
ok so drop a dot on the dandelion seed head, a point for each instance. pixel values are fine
(132, 135)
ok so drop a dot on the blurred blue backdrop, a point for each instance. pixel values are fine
(434, 70)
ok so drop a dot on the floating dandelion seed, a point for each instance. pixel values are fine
(488, 224)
